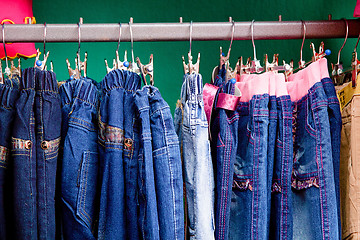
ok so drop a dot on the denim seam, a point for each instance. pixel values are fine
(43, 90)
(228, 149)
(79, 124)
(85, 101)
(171, 172)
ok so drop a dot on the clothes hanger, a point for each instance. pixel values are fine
(355, 64)
(338, 69)
(38, 63)
(190, 67)
(147, 69)
(7, 69)
(79, 65)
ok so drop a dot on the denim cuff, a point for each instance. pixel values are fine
(46, 81)
(8, 96)
(130, 81)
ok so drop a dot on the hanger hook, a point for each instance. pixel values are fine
(302, 44)
(117, 49)
(3, 37)
(232, 36)
(252, 38)
(132, 45)
(357, 43)
(346, 36)
(44, 38)
(79, 34)
(191, 29)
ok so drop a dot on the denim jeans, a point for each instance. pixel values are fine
(315, 214)
(35, 144)
(335, 130)
(148, 219)
(197, 164)
(8, 98)
(281, 202)
(80, 160)
(117, 162)
(167, 167)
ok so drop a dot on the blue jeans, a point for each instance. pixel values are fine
(315, 214)
(335, 121)
(197, 164)
(8, 97)
(80, 160)
(116, 156)
(35, 144)
(167, 167)
(281, 201)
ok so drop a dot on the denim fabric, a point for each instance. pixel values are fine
(47, 112)
(148, 219)
(80, 160)
(13, 82)
(167, 167)
(249, 205)
(223, 150)
(281, 201)
(114, 150)
(335, 130)
(197, 164)
(8, 98)
(23, 154)
(315, 213)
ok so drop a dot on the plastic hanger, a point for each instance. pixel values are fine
(337, 69)
(190, 67)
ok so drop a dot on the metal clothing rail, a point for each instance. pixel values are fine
(202, 31)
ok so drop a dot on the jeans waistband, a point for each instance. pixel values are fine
(192, 88)
(46, 81)
(8, 96)
(127, 80)
(27, 80)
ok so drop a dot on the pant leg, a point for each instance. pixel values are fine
(8, 98)
(80, 186)
(23, 155)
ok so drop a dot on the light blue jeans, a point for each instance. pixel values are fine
(192, 128)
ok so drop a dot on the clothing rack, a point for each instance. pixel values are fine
(201, 31)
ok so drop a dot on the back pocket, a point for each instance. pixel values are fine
(88, 188)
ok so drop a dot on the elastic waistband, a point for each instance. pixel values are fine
(192, 88)
(8, 96)
(46, 81)
(27, 80)
(82, 89)
(130, 81)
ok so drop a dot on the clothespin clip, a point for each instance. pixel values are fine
(82, 66)
(15, 71)
(122, 65)
(355, 64)
(73, 73)
(147, 69)
(316, 56)
(38, 63)
(51, 66)
(190, 67)
(271, 66)
(288, 72)
(1, 74)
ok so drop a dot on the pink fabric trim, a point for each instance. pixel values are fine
(227, 101)
(209, 93)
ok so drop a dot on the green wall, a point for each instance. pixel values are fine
(168, 68)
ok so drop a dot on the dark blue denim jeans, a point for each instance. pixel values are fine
(8, 98)
(35, 144)
(117, 162)
(47, 110)
(80, 160)
(335, 121)
(315, 212)
(281, 195)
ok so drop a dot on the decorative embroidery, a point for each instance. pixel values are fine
(50, 145)
(18, 143)
(276, 187)
(304, 184)
(294, 125)
(4, 154)
(110, 134)
(242, 185)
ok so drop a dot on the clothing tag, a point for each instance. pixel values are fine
(237, 92)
